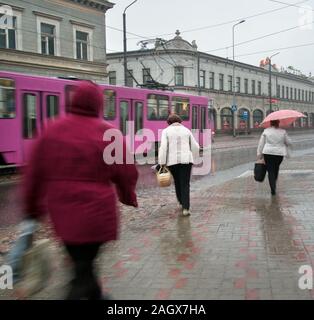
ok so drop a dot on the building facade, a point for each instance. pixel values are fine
(178, 64)
(54, 37)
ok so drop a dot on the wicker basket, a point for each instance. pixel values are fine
(163, 177)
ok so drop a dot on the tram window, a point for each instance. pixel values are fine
(138, 117)
(52, 106)
(110, 104)
(181, 106)
(194, 117)
(203, 118)
(124, 116)
(29, 116)
(158, 107)
(7, 98)
(69, 92)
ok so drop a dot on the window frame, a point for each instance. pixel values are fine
(172, 106)
(178, 71)
(157, 106)
(89, 31)
(56, 24)
(14, 95)
(212, 80)
(18, 30)
(115, 105)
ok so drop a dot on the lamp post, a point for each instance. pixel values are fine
(270, 99)
(124, 44)
(233, 78)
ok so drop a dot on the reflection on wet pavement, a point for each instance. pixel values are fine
(239, 242)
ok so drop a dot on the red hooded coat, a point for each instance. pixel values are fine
(68, 177)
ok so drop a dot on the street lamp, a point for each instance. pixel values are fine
(233, 78)
(124, 44)
(270, 100)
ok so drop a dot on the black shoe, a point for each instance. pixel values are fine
(273, 193)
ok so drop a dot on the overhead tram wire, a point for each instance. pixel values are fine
(276, 49)
(261, 37)
(294, 5)
(80, 18)
(235, 20)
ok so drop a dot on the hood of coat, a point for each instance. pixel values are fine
(87, 100)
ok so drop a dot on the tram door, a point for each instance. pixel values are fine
(37, 108)
(131, 121)
(199, 122)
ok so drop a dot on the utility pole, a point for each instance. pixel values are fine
(233, 80)
(270, 95)
(125, 64)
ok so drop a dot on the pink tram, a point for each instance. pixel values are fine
(28, 103)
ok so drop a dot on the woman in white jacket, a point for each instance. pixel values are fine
(273, 146)
(176, 152)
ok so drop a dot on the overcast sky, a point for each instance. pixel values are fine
(161, 18)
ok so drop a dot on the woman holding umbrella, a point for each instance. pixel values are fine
(274, 142)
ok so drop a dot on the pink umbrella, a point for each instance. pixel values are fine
(286, 117)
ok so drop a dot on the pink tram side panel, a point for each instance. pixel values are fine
(37, 94)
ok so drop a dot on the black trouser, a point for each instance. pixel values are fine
(272, 166)
(182, 174)
(84, 285)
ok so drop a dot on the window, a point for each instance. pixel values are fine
(246, 86)
(112, 77)
(69, 92)
(257, 118)
(221, 81)
(138, 117)
(283, 92)
(8, 35)
(306, 96)
(110, 104)
(178, 76)
(299, 94)
(259, 88)
(129, 78)
(146, 75)
(82, 41)
(124, 116)
(81, 45)
(48, 31)
(238, 84)
(253, 87)
(181, 106)
(52, 106)
(47, 39)
(211, 80)
(202, 78)
(226, 119)
(291, 93)
(287, 92)
(278, 91)
(7, 98)
(302, 95)
(157, 107)
(194, 117)
(229, 83)
(29, 116)
(295, 94)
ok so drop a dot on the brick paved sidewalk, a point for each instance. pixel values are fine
(239, 243)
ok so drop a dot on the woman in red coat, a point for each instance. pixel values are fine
(68, 177)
